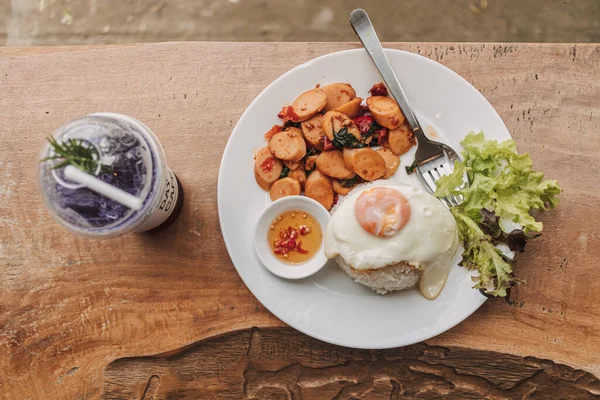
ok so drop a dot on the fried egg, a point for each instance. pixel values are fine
(382, 225)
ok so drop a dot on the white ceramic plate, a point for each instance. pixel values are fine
(329, 305)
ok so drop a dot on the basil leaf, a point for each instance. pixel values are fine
(287, 124)
(343, 138)
(372, 130)
(312, 152)
(348, 183)
(284, 173)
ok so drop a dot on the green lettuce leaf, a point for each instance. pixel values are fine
(480, 254)
(447, 183)
(502, 183)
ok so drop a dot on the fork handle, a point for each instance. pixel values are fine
(366, 33)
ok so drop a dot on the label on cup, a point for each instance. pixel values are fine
(166, 205)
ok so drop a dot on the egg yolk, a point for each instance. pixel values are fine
(382, 211)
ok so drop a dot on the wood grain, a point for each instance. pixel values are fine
(69, 306)
(284, 364)
(40, 23)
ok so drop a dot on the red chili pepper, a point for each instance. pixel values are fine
(303, 229)
(287, 113)
(277, 250)
(378, 89)
(299, 248)
(274, 129)
(291, 244)
(268, 164)
(292, 233)
(283, 234)
(364, 123)
(327, 145)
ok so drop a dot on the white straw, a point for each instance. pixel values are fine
(105, 189)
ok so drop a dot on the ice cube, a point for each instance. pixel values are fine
(105, 144)
(107, 159)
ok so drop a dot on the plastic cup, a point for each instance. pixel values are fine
(130, 158)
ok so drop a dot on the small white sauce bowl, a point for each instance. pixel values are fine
(269, 260)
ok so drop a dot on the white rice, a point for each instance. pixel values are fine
(383, 280)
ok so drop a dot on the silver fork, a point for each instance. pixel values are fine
(432, 159)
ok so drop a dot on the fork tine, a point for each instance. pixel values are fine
(430, 170)
(446, 168)
(451, 200)
(447, 171)
(430, 181)
(435, 175)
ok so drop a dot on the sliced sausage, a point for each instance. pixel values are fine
(401, 139)
(341, 190)
(313, 131)
(285, 187)
(351, 108)
(386, 111)
(319, 187)
(392, 161)
(267, 168)
(338, 94)
(331, 163)
(288, 145)
(261, 182)
(309, 103)
(348, 155)
(299, 175)
(334, 121)
(365, 162)
(295, 130)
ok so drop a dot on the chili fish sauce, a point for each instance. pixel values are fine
(295, 236)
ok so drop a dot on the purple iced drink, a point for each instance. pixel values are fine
(127, 155)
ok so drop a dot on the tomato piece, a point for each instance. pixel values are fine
(364, 123)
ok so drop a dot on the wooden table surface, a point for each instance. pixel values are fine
(167, 316)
